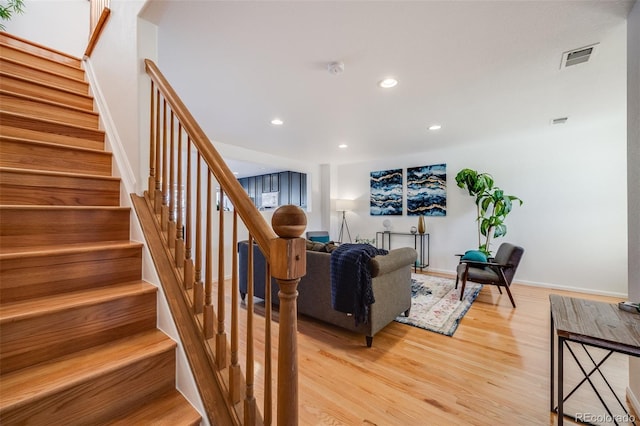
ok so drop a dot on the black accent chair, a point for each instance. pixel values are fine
(498, 271)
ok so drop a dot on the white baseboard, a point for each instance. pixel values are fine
(547, 285)
(114, 143)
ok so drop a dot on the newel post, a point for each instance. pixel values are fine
(288, 265)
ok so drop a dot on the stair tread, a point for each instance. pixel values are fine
(48, 102)
(20, 310)
(48, 250)
(45, 120)
(45, 84)
(53, 207)
(52, 144)
(37, 49)
(47, 378)
(169, 409)
(56, 173)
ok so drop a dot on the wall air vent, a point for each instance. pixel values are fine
(577, 56)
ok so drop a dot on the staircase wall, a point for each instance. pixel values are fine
(42, 20)
(131, 183)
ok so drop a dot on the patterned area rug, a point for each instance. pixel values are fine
(436, 304)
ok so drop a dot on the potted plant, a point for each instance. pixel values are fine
(492, 204)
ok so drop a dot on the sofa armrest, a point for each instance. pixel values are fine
(396, 259)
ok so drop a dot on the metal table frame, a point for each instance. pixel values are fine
(577, 335)
(418, 241)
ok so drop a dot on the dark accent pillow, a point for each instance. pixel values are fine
(475, 256)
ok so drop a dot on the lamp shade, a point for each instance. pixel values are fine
(345, 205)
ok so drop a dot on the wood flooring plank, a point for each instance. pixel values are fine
(493, 371)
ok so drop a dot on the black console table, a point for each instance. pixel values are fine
(420, 244)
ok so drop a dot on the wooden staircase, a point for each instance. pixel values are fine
(78, 337)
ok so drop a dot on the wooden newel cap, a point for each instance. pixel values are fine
(289, 221)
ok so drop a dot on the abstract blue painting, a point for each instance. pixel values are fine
(386, 192)
(427, 190)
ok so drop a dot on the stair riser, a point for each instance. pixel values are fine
(12, 53)
(25, 227)
(53, 334)
(36, 74)
(46, 131)
(39, 276)
(32, 189)
(29, 88)
(34, 108)
(20, 155)
(102, 399)
(7, 40)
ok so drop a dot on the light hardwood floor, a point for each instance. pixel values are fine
(493, 371)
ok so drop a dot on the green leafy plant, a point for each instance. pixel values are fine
(8, 8)
(492, 204)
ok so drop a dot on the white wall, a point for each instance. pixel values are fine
(59, 24)
(633, 179)
(571, 177)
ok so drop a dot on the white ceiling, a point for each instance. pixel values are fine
(481, 69)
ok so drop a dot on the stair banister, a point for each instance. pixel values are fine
(261, 231)
(282, 248)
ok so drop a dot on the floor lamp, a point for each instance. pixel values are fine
(344, 206)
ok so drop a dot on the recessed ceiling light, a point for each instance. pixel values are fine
(435, 127)
(343, 146)
(235, 173)
(277, 122)
(388, 83)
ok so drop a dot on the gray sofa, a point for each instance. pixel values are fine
(391, 285)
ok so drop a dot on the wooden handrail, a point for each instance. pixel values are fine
(261, 231)
(171, 189)
(97, 31)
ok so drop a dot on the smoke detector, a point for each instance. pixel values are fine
(335, 68)
(577, 56)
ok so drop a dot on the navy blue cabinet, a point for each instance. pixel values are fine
(290, 186)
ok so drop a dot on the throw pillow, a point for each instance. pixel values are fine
(320, 239)
(475, 256)
(315, 246)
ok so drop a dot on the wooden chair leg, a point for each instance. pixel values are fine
(506, 286)
(510, 296)
(464, 284)
(465, 274)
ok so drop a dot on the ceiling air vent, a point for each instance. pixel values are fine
(560, 120)
(577, 56)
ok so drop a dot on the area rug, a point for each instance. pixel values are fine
(436, 304)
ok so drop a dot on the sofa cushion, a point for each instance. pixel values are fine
(315, 246)
(321, 247)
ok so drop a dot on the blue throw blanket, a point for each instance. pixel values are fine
(351, 290)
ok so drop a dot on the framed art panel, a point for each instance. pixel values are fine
(386, 193)
(427, 190)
